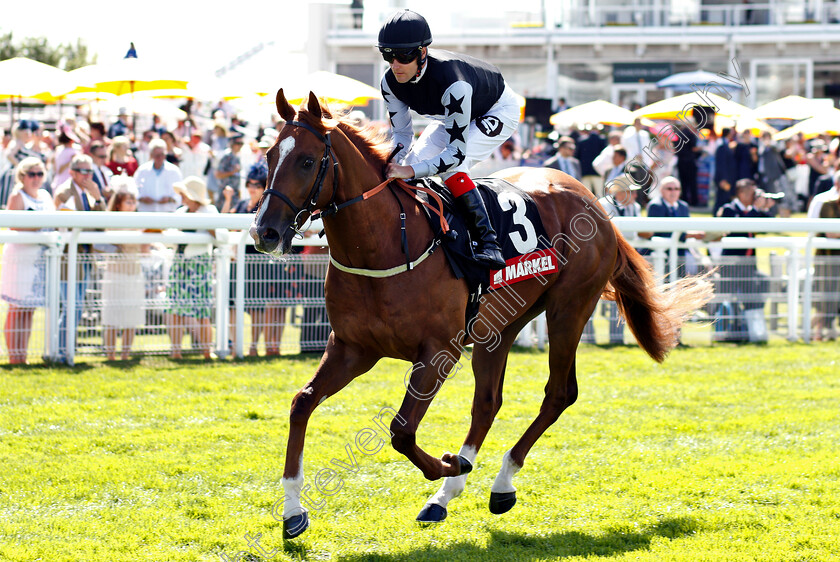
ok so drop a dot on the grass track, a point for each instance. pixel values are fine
(728, 453)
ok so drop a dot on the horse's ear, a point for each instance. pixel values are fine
(314, 106)
(284, 108)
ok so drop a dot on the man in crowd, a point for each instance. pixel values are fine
(195, 156)
(228, 172)
(687, 155)
(155, 181)
(726, 170)
(589, 147)
(603, 163)
(120, 126)
(669, 204)
(634, 140)
(742, 315)
(565, 160)
(79, 193)
(771, 174)
(619, 160)
(101, 173)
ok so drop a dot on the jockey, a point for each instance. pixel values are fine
(473, 112)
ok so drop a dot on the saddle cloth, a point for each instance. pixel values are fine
(519, 231)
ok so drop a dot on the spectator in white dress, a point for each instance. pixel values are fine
(23, 278)
(123, 284)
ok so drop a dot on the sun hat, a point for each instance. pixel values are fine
(194, 189)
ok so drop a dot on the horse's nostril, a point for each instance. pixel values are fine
(270, 235)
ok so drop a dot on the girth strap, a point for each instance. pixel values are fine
(390, 272)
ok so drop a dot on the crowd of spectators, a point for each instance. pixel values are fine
(636, 171)
(93, 165)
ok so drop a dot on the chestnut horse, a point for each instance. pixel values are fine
(379, 307)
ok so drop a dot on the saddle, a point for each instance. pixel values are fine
(519, 231)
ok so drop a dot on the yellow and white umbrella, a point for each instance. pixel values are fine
(826, 121)
(672, 108)
(599, 111)
(743, 123)
(792, 107)
(334, 88)
(25, 78)
(129, 75)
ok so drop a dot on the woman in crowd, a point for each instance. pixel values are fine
(15, 152)
(23, 278)
(68, 147)
(190, 293)
(120, 160)
(173, 151)
(263, 276)
(123, 284)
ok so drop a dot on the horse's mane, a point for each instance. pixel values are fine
(367, 139)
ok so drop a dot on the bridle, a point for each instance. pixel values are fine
(332, 207)
(314, 193)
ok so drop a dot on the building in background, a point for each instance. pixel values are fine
(583, 50)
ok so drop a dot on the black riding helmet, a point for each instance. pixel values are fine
(404, 31)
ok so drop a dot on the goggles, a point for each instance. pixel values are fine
(404, 56)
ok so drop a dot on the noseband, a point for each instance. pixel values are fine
(315, 192)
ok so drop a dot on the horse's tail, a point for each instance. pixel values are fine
(654, 314)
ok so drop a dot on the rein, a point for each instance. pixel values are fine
(332, 207)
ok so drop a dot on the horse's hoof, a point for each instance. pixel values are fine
(432, 513)
(502, 502)
(295, 525)
(465, 465)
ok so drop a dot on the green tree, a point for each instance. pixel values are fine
(65, 56)
(7, 49)
(77, 56)
(39, 49)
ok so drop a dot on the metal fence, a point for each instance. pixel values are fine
(142, 289)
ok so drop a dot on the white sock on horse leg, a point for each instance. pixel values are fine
(504, 480)
(453, 486)
(292, 489)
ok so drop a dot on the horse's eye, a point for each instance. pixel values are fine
(308, 163)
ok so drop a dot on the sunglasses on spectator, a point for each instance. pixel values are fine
(403, 57)
(251, 183)
(82, 170)
(670, 189)
(35, 174)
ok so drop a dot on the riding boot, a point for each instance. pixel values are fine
(488, 251)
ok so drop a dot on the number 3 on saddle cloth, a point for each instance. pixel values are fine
(519, 231)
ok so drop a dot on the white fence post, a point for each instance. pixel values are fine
(239, 297)
(222, 255)
(793, 292)
(658, 258)
(673, 253)
(71, 304)
(53, 294)
(807, 289)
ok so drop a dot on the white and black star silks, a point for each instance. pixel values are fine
(456, 92)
